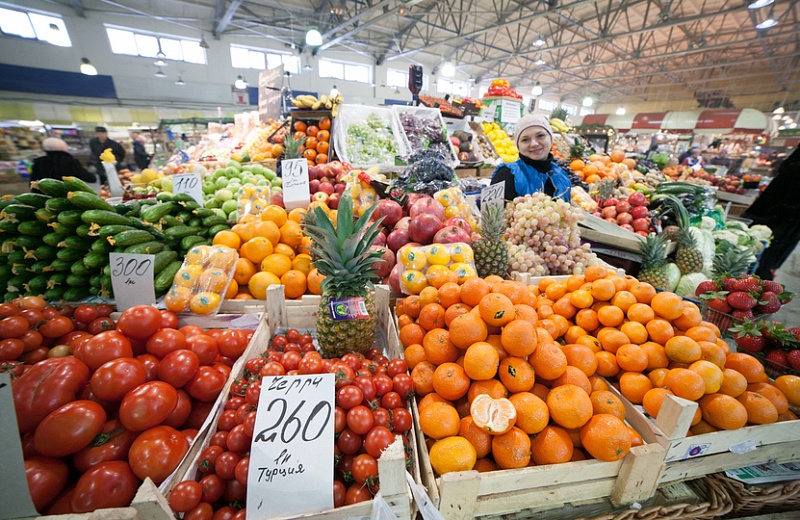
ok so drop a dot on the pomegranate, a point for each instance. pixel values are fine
(612, 201)
(390, 210)
(402, 223)
(397, 239)
(623, 206)
(627, 226)
(459, 222)
(429, 206)
(380, 240)
(385, 266)
(451, 235)
(640, 212)
(637, 199)
(624, 218)
(609, 212)
(641, 224)
(423, 227)
(394, 278)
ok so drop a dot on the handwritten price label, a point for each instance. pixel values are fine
(291, 456)
(493, 195)
(510, 111)
(189, 183)
(296, 193)
(14, 493)
(132, 279)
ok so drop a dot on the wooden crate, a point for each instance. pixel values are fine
(689, 457)
(255, 306)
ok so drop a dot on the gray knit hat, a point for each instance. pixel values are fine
(530, 120)
(54, 144)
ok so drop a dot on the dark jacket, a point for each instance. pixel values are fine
(140, 156)
(56, 165)
(97, 148)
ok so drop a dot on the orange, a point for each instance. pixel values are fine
(257, 249)
(178, 298)
(701, 428)
(701, 333)
(291, 233)
(632, 358)
(723, 412)
(422, 375)
(575, 281)
(314, 281)
(563, 307)
(685, 383)
(282, 249)
(581, 357)
(667, 305)
(602, 290)
(514, 290)
(439, 420)
(606, 437)
(733, 383)
(581, 299)
(643, 292)
(496, 309)
(773, 394)
(467, 329)
(552, 445)
(232, 290)
(653, 400)
(274, 214)
(296, 215)
(259, 283)
(548, 361)
(227, 238)
(491, 387)
(683, 349)
(634, 386)
(188, 275)
(481, 361)
(473, 290)
(452, 454)
(635, 331)
(245, 231)
(518, 337)
(204, 302)
(294, 283)
(268, 230)
(587, 320)
(431, 316)
(656, 356)
(623, 300)
(302, 262)
(610, 316)
(414, 354)
(712, 352)
(574, 376)
(555, 290)
(589, 341)
(790, 386)
(606, 364)
(605, 401)
(428, 295)
(561, 323)
(516, 374)
(747, 365)
(512, 449)
(494, 416)
(410, 334)
(711, 374)
(450, 381)
(525, 312)
(478, 437)
(660, 331)
(612, 340)
(439, 348)
(569, 405)
(532, 412)
(276, 264)
(760, 410)
(213, 280)
(449, 294)
(690, 317)
(640, 312)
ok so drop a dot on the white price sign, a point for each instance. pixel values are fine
(132, 279)
(296, 193)
(510, 111)
(14, 493)
(189, 183)
(493, 194)
(291, 455)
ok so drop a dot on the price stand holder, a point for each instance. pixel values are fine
(291, 455)
(493, 195)
(132, 279)
(296, 192)
(189, 183)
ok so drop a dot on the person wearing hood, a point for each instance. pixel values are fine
(58, 163)
(535, 170)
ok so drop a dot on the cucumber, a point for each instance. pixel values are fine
(21, 212)
(70, 254)
(190, 241)
(6, 200)
(155, 213)
(74, 294)
(33, 227)
(9, 245)
(94, 280)
(213, 230)
(76, 242)
(170, 221)
(55, 294)
(147, 202)
(84, 230)
(8, 226)
(103, 217)
(17, 284)
(13, 295)
(191, 205)
(61, 229)
(79, 268)
(58, 279)
(179, 232)
(58, 204)
(42, 266)
(113, 229)
(182, 197)
(164, 197)
(105, 280)
(70, 217)
(164, 279)
(185, 216)
(19, 269)
(162, 260)
(204, 212)
(61, 266)
(5, 272)
(214, 220)
(129, 238)
(74, 280)
(51, 187)
(195, 223)
(75, 184)
(29, 242)
(39, 283)
(36, 200)
(107, 270)
(146, 248)
(100, 245)
(21, 257)
(84, 200)
(125, 209)
(45, 215)
(95, 260)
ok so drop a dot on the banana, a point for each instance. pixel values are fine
(323, 99)
(334, 110)
(316, 105)
(329, 104)
(339, 98)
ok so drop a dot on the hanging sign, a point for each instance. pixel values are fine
(269, 94)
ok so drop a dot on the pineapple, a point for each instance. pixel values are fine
(730, 261)
(688, 257)
(654, 258)
(491, 251)
(345, 259)
(291, 146)
(606, 189)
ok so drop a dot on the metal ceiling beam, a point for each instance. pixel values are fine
(223, 22)
(387, 13)
(77, 5)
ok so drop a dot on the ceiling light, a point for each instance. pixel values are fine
(776, 117)
(313, 37)
(587, 101)
(448, 69)
(160, 73)
(334, 92)
(87, 68)
(336, 11)
(402, 11)
(308, 66)
(540, 62)
(203, 42)
(758, 4)
(768, 22)
(240, 83)
(793, 125)
(620, 111)
(180, 81)
(779, 110)
(781, 127)
(539, 41)
(160, 58)
(537, 89)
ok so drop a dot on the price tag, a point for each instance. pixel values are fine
(189, 183)
(493, 195)
(510, 111)
(132, 279)
(14, 493)
(291, 455)
(296, 193)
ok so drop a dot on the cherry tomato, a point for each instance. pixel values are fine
(150, 364)
(32, 339)
(157, 452)
(373, 353)
(242, 467)
(206, 384)
(225, 466)
(203, 511)
(104, 310)
(46, 477)
(240, 514)
(50, 313)
(13, 327)
(310, 364)
(234, 403)
(392, 400)
(181, 413)
(397, 366)
(108, 484)
(34, 356)
(339, 493)
(208, 458)
(291, 360)
(165, 341)
(279, 341)
(238, 440)
(359, 419)
(200, 412)
(403, 385)
(339, 419)
(213, 488)
(381, 417)
(242, 411)
(11, 349)
(178, 367)
(249, 423)
(112, 443)
(232, 343)
(33, 316)
(69, 429)
(204, 346)
(14, 368)
(367, 387)
(292, 347)
(352, 360)
(239, 387)
(185, 496)
(253, 393)
(192, 330)
(86, 313)
(169, 320)
(377, 440)
(365, 469)
(62, 504)
(117, 377)
(227, 420)
(349, 396)
(147, 406)
(103, 348)
(344, 374)
(254, 366)
(101, 324)
(234, 492)
(272, 368)
(57, 351)
(139, 321)
(383, 384)
(293, 335)
(349, 442)
(357, 493)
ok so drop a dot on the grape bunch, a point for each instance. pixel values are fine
(543, 237)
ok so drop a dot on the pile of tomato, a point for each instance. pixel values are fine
(372, 394)
(102, 405)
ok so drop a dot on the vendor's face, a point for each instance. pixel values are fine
(535, 143)
(102, 136)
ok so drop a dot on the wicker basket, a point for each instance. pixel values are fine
(749, 500)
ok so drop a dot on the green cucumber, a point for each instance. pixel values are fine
(70, 217)
(73, 280)
(17, 284)
(147, 202)
(5, 272)
(58, 279)
(33, 227)
(105, 280)
(76, 242)
(170, 221)
(70, 254)
(164, 197)
(113, 229)
(94, 280)
(213, 230)
(190, 241)
(22, 257)
(61, 229)
(124, 209)
(79, 268)
(191, 205)
(39, 283)
(156, 212)
(51, 187)
(8, 226)
(214, 220)
(182, 197)
(37, 200)
(58, 204)
(185, 216)
(195, 223)
(204, 212)
(165, 278)
(42, 266)
(179, 232)
(74, 294)
(61, 266)
(100, 245)
(162, 260)
(129, 238)
(95, 260)
(29, 242)
(84, 200)
(19, 269)
(45, 215)
(20, 212)
(7, 200)
(55, 294)
(103, 217)
(84, 230)
(75, 184)
(146, 248)
(9, 245)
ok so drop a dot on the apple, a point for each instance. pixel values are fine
(326, 187)
(313, 185)
(333, 201)
(313, 173)
(455, 140)
(277, 199)
(320, 196)
(339, 188)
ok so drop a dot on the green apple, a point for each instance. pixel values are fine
(276, 189)
(211, 203)
(233, 216)
(234, 164)
(223, 195)
(231, 173)
(209, 187)
(220, 183)
(229, 205)
(166, 184)
(247, 168)
(269, 174)
(263, 182)
(222, 212)
(220, 172)
(277, 181)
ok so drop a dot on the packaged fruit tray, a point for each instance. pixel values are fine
(368, 136)
(423, 128)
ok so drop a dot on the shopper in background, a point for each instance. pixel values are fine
(98, 145)
(140, 155)
(695, 161)
(721, 159)
(58, 163)
(535, 169)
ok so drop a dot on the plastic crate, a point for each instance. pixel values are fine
(720, 319)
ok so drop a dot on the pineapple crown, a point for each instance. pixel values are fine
(493, 221)
(730, 260)
(343, 252)
(291, 146)
(653, 250)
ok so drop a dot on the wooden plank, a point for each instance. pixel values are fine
(150, 504)
(722, 441)
(638, 476)
(428, 479)
(459, 491)
(536, 477)
(544, 498)
(675, 416)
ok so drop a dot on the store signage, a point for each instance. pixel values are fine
(296, 193)
(132, 279)
(510, 111)
(291, 455)
(14, 493)
(269, 94)
(190, 184)
(241, 96)
(493, 195)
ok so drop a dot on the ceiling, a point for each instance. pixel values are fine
(617, 51)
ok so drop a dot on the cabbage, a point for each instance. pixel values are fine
(673, 274)
(708, 223)
(761, 232)
(688, 283)
(735, 224)
(725, 235)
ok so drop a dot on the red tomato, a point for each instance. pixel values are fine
(254, 365)
(150, 364)
(352, 360)
(208, 458)
(46, 478)
(397, 366)
(401, 420)
(109, 484)
(46, 387)
(227, 420)
(157, 452)
(139, 321)
(222, 365)
(147, 406)
(392, 400)
(169, 320)
(11, 349)
(178, 367)
(117, 377)
(381, 417)
(291, 360)
(293, 335)
(112, 443)
(359, 419)
(349, 396)
(204, 346)
(56, 327)
(234, 492)
(365, 469)
(104, 310)
(206, 384)
(69, 429)
(190, 434)
(213, 488)
(339, 493)
(220, 439)
(165, 341)
(102, 348)
(339, 419)
(50, 313)
(32, 339)
(101, 324)
(200, 411)
(62, 505)
(8, 309)
(225, 466)
(378, 439)
(238, 440)
(191, 330)
(279, 341)
(357, 493)
(185, 496)
(13, 327)
(86, 313)
(367, 387)
(14, 368)
(272, 368)
(33, 316)
(242, 468)
(182, 411)
(349, 442)
(383, 384)
(69, 337)
(232, 343)
(34, 356)
(224, 512)
(249, 423)
(344, 374)
(203, 511)
(310, 364)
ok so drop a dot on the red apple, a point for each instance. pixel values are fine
(277, 199)
(326, 187)
(339, 188)
(333, 201)
(313, 185)
(313, 172)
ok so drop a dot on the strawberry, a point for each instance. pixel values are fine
(795, 332)
(777, 332)
(748, 336)
(749, 283)
(704, 287)
(740, 315)
(768, 303)
(716, 301)
(729, 284)
(794, 358)
(785, 297)
(777, 360)
(773, 286)
(741, 300)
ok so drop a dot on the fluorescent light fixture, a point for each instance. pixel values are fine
(160, 73)
(313, 37)
(779, 110)
(620, 111)
(793, 125)
(587, 101)
(180, 81)
(539, 41)
(537, 89)
(448, 69)
(766, 24)
(776, 117)
(26, 122)
(781, 127)
(160, 61)
(308, 66)
(87, 68)
(540, 62)
(758, 4)
(240, 83)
